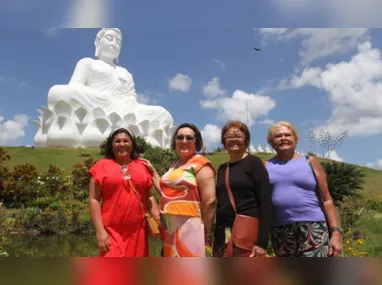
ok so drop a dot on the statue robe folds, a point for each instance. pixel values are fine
(84, 112)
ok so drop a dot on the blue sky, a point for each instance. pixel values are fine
(202, 67)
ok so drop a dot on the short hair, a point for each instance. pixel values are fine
(282, 124)
(109, 144)
(100, 35)
(198, 136)
(241, 126)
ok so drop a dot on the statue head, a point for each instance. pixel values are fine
(108, 41)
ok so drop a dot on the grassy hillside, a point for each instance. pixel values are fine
(43, 157)
(66, 158)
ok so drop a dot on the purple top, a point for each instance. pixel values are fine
(293, 192)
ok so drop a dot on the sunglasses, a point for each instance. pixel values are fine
(188, 138)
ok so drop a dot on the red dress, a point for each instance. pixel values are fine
(121, 214)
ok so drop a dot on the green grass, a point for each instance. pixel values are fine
(43, 157)
(66, 158)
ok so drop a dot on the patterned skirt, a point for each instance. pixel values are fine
(183, 236)
(301, 239)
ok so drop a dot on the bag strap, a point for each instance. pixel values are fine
(315, 178)
(229, 188)
(137, 195)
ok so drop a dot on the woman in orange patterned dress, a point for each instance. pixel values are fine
(187, 196)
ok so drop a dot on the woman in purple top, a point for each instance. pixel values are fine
(300, 222)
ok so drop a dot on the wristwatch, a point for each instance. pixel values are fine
(332, 230)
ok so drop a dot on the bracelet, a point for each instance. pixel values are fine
(208, 235)
(332, 230)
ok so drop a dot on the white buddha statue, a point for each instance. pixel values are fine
(260, 149)
(267, 149)
(99, 98)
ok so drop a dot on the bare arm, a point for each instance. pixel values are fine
(81, 72)
(154, 174)
(324, 194)
(206, 186)
(95, 213)
(152, 206)
(328, 205)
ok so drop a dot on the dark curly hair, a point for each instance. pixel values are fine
(241, 126)
(109, 144)
(198, 136)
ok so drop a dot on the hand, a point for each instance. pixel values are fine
(103, 241)
(335, 244)
(149, 166)
(258, 252)
(156, 217)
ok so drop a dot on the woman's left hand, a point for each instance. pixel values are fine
(335, 244)
(258, 252)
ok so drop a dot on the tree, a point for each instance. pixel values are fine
(343, 179)
(218, 149)
(327, 142)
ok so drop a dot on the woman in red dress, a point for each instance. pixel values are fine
(119, 220)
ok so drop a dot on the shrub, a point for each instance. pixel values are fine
(102, 147)
(142, 144)
(21, 185)
(343, 179)
(43, 202)
(4, 155)
(350, 209)
(81, 178)
(160, 158)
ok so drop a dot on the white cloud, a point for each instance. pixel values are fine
(355, 91)
(143, 98)
(211, 136)
(181, 82)
(12, 130)
(212, 89)
(14, 82)
(318, 43)
(309, 76)
(220, 63)
(88, 14)
(267, 122)
(333, 155)
(376, 165)
(234, 108)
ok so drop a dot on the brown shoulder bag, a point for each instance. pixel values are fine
(151, 224)
(244, 231)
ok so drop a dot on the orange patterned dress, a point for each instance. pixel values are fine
(180, 208)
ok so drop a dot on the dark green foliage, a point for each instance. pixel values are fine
(312, 154)
(142, 144)
(343, 180)
(160, 158)
(218, 149)
(102, 147)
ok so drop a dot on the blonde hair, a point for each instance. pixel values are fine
(282, 124)
(100, 35)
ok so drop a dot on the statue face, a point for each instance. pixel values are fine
(110, 44)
